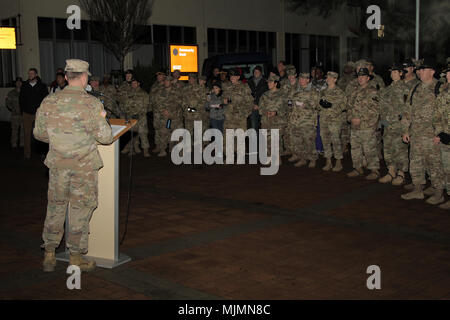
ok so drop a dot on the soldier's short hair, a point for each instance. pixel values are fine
(33, 69)
(73, 75)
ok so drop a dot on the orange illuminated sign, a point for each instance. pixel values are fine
(7, 38)
(183, 58)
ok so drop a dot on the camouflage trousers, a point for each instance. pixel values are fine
(142, 130)
(364, 144)
(162, 134)
(395, 151)
(425, 157)
(16, 130)
(331, 138)
(77, 191)
(270, 125)
(303, 143)
(234, 125)
(345, 134)
(286, 140)
(445, 156)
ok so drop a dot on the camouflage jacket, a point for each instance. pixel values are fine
(154, 92)
(304, 108)
(393, 104)
(169, 100)
(136, 104)
(411, 84)
(271, 101)
(71, 122)
(194, 97)
(109, 99)
(365, 106)
(379, 82)
(241, 102)
(12, 102)
(420, 109)
(441, 119)
(288, 92)
(337, 112)
(122, 92)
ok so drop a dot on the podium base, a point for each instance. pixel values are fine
(102, 263)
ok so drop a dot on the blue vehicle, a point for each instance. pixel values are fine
(244, 61)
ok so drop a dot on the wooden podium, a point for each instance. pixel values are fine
(104, 224)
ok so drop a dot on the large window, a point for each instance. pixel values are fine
(221, 41)
(8, 59)
(305, 51)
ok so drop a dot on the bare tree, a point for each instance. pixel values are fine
(118, 23)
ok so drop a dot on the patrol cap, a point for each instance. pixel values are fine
(95, 78)
(332, 74)
(76, 65)
(204, 78)
(193, 75)
(234, 72)
(305, 75)
(161, 72)
(363, 72)
(169, 78)
(273, 78)
(291, 70)
(361, 63)
(396, 67)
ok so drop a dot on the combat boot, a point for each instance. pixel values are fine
(389, 177)
(356, 173)
(399, 180)
(156, 150)
(328, 165)
(76, 259)
(417, 193)
(338, 167)
(374, 175)
(294, 158)
(162, 154)
(409, 187)
(445, 206)
(436, 198)
(49, 263)
(300, 164)
(146, 153)
(137, 149)
(429, 191)
(312, 164)
(126, 149)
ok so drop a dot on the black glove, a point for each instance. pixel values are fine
(325, 104)
(445, 138)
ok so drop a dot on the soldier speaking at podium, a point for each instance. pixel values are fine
(72, 122)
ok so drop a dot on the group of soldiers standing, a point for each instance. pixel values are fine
(400, 123)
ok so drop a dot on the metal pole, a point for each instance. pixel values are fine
(417, 27)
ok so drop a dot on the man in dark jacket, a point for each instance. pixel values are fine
(258, 85)
(32, 93)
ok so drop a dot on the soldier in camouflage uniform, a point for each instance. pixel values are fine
(167, 107)
(288, 91)
(417, 127)
(410, 79)
(270, 109)
(194, 99)
(135, 106)
(333, 103)
(156, 88)
(72, 122)
(441, 123)
(392, 108)
(12, 104)
(364, 114)
(239, 100)
(303, 123)
(177, 83)
(123, 89)
(109, 94)
(344, 80)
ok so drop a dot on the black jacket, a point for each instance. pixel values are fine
(31, 97)
(258, 91)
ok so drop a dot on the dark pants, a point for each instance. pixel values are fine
(217, 124)
(319, 144)
(255, 120)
